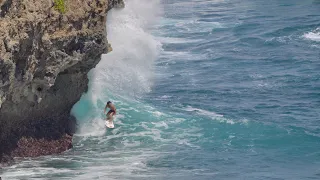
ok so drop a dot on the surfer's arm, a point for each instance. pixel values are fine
(105, 109)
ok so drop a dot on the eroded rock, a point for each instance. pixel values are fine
(45, 56)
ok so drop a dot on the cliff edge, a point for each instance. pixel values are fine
(47, 48)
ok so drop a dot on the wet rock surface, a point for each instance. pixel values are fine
(32, 147)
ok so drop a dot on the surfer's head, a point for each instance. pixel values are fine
(108, 103)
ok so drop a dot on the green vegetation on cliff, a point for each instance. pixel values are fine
(60, 6)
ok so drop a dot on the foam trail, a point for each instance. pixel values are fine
(94, 127)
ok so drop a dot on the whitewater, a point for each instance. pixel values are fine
(204, 90)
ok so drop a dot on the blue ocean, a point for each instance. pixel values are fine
(219, 89)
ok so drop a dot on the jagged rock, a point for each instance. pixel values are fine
(116, 4)
(31, 147)
(45, 56)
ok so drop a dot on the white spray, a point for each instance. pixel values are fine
(127, 71)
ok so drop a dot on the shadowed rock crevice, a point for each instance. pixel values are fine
(44, 60)
(5, 8)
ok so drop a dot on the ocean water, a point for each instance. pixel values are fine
(220, 89)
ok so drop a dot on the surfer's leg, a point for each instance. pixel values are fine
(110, 115)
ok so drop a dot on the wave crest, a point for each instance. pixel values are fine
(313, 35)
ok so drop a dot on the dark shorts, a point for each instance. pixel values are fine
(112, 111)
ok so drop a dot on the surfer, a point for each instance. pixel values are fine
(112, 111)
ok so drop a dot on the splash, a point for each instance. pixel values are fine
(126, 72)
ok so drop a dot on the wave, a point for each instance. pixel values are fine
(281, 39)
(198, 26)
(202, 112)
(214, 116)
(313, 35)
(171, 40)
(126, 72)
(128, 68)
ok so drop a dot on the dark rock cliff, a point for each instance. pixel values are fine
(45, 55)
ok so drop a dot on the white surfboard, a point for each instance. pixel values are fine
(109, 124)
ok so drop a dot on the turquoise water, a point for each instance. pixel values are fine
(205, 90)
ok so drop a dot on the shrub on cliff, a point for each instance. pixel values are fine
(60, 6)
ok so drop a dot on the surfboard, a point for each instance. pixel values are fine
(109, 124)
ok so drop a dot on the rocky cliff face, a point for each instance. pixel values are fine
(47, 48)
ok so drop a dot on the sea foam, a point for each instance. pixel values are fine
(313, 35)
